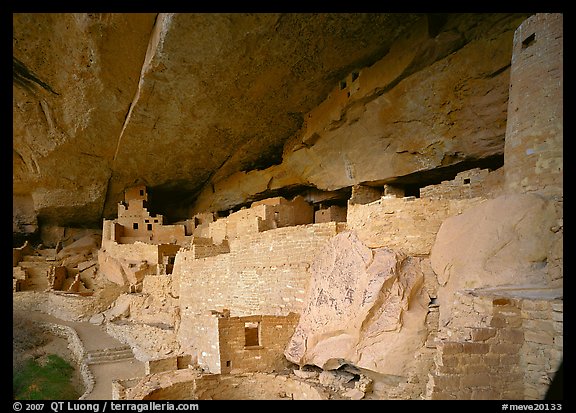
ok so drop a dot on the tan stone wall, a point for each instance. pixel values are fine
(406, 224)
(363, 194)
(333, 213)
(468, 184)
(264, 273)
(263, 215)
(542, 350)
(157, 305)
(200, 337)
(139, 251)
(136, 193)
(534, 132)
(158, 365)
(498, 347)
(203, 247)
(268, 356)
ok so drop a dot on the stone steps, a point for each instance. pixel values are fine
(109, 355)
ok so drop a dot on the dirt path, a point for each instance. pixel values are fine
(94, 337)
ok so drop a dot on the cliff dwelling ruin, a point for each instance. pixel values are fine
(292, 206)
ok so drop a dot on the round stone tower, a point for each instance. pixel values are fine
(533, 151)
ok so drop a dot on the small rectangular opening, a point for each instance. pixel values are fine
(141, 192)
(149, 227)
(528, 41)
(228, 363)
(412, 190)
(466, 181)
(251, 334)
(135, 225)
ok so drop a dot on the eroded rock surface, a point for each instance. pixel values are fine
(502, 241)
(365, 307)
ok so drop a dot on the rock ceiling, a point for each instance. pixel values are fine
(172, 101)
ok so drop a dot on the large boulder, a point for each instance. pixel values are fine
(505, 241)
(365, 307)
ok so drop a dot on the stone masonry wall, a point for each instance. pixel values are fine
(265, 273)
(534, 132)
(237, 357)
(498, 348)
(468, 184)
(407, 224)
(542, 350)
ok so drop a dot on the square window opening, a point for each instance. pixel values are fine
(149, 227)
(135, 225)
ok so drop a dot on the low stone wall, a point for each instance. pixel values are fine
(190, 384)
(78, 352)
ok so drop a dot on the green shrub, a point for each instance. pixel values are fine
(51, 380)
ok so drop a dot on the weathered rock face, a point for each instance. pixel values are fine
(365, 307)
(184, 102)
(501, 242)
(169, 99)
(70, 97)
(430, 104)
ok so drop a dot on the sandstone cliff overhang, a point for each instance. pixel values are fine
(181, 102)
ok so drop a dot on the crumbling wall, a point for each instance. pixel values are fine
(190, 384)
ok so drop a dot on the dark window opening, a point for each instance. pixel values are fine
(528, 41)
(149, 227)
(146, 220)
(251, 334)
(355, 76)
(412, 190)
(228, 363)
(342, 85)
(466, 180)
(135, 225)
(141, 192)
(156, 220)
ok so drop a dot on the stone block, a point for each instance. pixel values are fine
(483, 334)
